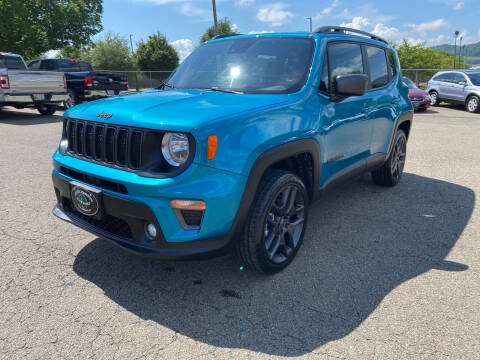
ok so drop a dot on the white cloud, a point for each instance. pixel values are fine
(260, 32)
(389, 33)
(358, 22)
(327, 10)
(459, 6)
(244, 2)
(429, 26)
(160, 2)
(189, 9)
(184, 47)
(274, 14)
(235, 28)
(439, 40)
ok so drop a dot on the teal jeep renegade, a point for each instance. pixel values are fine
(231, 149)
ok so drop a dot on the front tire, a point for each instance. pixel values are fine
(276, 224)
(473, 104)
(434, 101)
(71, 101)
(391, 172)
(45, 109)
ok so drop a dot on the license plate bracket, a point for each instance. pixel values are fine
(86, 199)
(38, 97)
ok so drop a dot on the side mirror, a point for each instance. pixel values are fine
(352, 85)
(463, 83)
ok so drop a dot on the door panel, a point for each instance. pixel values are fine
(345, 124)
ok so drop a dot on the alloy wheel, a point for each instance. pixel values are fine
(472, 104)
(433, 98)
(284, 224)
(398, 157)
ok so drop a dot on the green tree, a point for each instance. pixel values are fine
(73, 52)
(112, 52)
(32, 27)
(156, 54)
(224, 26)
(421, 57)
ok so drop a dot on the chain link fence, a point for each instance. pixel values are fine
(142, 80)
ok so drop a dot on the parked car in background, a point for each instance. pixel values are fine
(82, 82)
(420, 98)
(231, 150)
(21, 88)
(456, 87)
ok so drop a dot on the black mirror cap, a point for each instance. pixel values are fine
(352, 85)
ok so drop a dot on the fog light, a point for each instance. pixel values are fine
(151, 231)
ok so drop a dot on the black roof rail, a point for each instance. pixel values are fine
(344, 30)
(219, 36)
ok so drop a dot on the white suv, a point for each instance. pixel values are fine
(456, 87)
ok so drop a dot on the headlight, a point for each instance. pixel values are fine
(175, 148)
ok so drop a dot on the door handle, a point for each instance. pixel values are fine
(367, 109)
(395, 100)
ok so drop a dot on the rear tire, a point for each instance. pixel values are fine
(473, 104)
(276, 224)
(434, 98)
(45, 109)
(391, 172)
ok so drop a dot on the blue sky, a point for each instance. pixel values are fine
(184, 21)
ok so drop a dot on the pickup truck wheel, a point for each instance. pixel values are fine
(276, 223)
(473, 104)
(46, 109)
(391, 172)
(434, 98)
(71, 100)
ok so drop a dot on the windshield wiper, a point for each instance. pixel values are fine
(221, 90)
(164, 85)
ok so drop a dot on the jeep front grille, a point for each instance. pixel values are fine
(110, 144)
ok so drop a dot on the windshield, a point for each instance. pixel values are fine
(261, 65)
(11, 62)
(475, 78)
(409, 83)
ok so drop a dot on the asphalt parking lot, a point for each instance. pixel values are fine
(383, 273)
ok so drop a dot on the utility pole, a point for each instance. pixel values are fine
(310, 18)
(455, 49)
(460, 53)
(133, 54)
(215, 16)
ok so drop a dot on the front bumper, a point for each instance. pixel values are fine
(425, 104)
(123, 223)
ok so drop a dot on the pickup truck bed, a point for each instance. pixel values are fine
(20, 87)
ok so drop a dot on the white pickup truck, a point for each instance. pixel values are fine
(21, 88)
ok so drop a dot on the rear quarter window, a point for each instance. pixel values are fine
(378, 67)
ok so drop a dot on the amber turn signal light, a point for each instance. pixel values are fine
(212, 143)
(188, 204)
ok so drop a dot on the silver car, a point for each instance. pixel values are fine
(456, 87)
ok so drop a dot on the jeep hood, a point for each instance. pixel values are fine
(178, 110)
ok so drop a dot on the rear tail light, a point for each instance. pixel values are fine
(88, 81)
(4, 82)
(64, 82)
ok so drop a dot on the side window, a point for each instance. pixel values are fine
(393, 64)
(378, 67)
(324, 78)
(344, 59)
(46, 65)
(448, 77)
(458, 78)
(34, 65)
